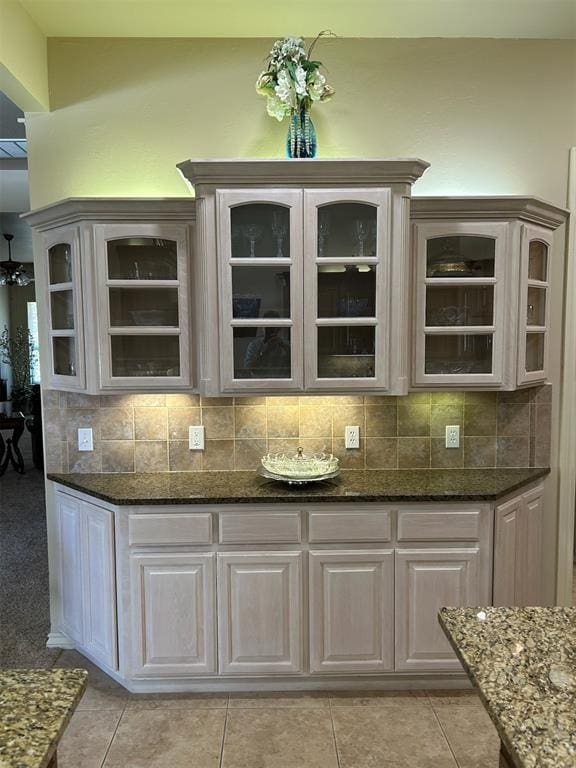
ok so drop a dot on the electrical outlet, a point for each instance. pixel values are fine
(85, 441)
(453, 436)
(352, 437)
(196, 438)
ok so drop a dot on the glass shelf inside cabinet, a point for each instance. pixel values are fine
(537, 260)
(347, 230)
(456, 354)
(261, 353)
(460, 256)
(145, 355)
(144, 307)
(459, 305)
(346, 290)
(60, 263)
(260, 292)
(142, 258)
(64, 355)
(62, 310)
(535, 351)
(346, 352)
(260, 230)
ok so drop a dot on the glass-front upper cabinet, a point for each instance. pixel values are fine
(459, 303)
(347, 288)
(64, 308)
(260, 273)
(534, 304)
(143, 305)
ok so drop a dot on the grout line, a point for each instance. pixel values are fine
(446, 739)
(113, 736)
(333, 731)
(224, 733)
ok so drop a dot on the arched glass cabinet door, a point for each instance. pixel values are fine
(64, 308)
(534, 305)
(260, 274)
(459, 304)
(347, 289)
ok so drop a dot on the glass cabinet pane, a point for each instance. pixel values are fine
(537, 260)
(459, 305)
(458, 354)
(262, 353)
(260, 292)
(260, 230)
(145, 355)
(536, 306)
(346, 352)
(460, 256)
(535, 351)
(64, 355)
(142, 258)
(144, 307)
(347, 230)
(60, 263)
(62, 310)
(347, 290)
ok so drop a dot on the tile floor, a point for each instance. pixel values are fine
(115, 729)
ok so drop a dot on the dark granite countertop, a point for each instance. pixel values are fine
(509, 655)
(249, 488)
(35, 707)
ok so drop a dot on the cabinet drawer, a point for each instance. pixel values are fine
(439, 525)
(260, 528)
(349, 526)
(144, 530)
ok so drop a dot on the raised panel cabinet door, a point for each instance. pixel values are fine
(173, 613)
(529, 554)
(259, 613)
(99, 585)
(69, 512)
(352, 611)
(427, 580)
(506, 524)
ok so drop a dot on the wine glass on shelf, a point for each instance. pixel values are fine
(362, 234)
(279, 230)
(252, 233)
(323, 232)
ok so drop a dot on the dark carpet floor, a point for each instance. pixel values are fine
(24, 594)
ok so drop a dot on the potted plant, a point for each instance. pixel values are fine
(19, 353)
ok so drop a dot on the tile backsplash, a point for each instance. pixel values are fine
(149, 433)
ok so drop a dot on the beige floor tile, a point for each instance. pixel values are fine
(102, 691)
(379, 698)
(274, 700)
(173, 739)
(471, 735)
(176, 701)
(279, 738)
(87, 739)
(390, 737)
(467, 697)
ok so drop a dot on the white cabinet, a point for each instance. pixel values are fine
(427, 580)
(260, 612)
(173, 617)
(352, 611)
(518, 563)
(480, 302)
(86, 578)
(303, 274)
(116, 288)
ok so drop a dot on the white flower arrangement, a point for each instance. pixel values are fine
(292, 82)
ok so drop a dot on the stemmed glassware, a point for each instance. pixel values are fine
(323, 232)
(362, 234)
(279, 230)
(252, 233)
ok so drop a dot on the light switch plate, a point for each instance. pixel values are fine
(196, 438)
(85, 441)
(352, 437)
(453, 436)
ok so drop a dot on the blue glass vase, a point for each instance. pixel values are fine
(301, 140)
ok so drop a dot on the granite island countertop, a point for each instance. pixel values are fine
(249, 488)
(509, 654)
(35, 707)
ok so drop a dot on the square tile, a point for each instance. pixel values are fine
(87, 738)
(182, 459)
(179, 419)
(250, 422)
(442, 416)
(248, 453)
(350, 458)
(218, 455)
(471, 735)
(274, 700)
(347, 415)
(381, 420)
(512, 451)
(150, 423)
(480, 419)
(117, 423)
(513, 419)
(117, 455)
(381, 452)
(445, 458)
(379, 699)
(139, 701)
(218, 422)
(283, 421)
(151, 456)
(480, 451)
(413, 420)
(315, 422)
(182, 400)
(413, 453)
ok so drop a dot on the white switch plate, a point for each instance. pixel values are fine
(352, 437)
(453, 436)
(85, 442)
(196, 438)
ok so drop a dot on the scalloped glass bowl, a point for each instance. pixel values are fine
(300, 466)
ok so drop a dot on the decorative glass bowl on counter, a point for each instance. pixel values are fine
(299, 468)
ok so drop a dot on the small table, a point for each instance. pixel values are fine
(9, 451)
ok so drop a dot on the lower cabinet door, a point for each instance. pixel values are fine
(69, 515)
(173, 613)
(427, 580)
(351, 611)
(259, 612)
(99, 585)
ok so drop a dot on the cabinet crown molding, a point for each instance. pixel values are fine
(75, 209)
(478, 208)
(301, 172)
